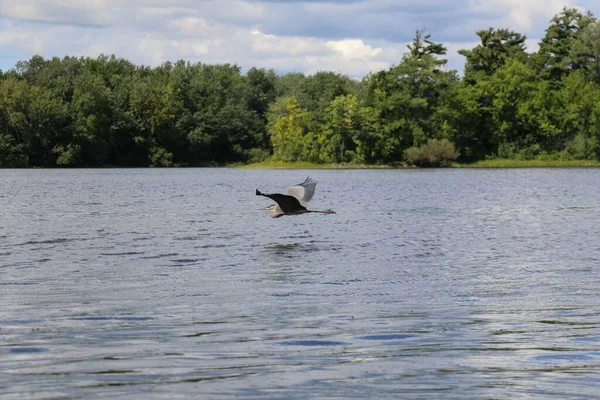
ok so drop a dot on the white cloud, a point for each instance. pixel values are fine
(21, 9)
(193, 26)
(153, 46)
(520, 15)
(353, 49)
(353, 37)
(21, 39)
(90, 12)
(285, 46)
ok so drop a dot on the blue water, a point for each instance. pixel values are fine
(175, 284)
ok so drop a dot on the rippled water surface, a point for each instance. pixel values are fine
(173, 284)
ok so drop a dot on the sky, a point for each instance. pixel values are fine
(353, 37)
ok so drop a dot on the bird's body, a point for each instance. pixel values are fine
(295, 202)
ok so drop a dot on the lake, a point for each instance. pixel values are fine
(174, 283)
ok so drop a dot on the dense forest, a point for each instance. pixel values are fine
(508, 103)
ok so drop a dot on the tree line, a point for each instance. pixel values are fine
(508, 104)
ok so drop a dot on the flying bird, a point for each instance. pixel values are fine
(295, 201)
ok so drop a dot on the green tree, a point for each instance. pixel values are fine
(221, 126)
(92, 113)
(260, 94)
(154, 107)
(349, 132)
(585, 52)
(408, 95)
(32, 120)
(581, 116)
(12, 154)
(521, 124)
(56, 75)
(555, 47)
(288, 133)
(315, 92)
(496, 47)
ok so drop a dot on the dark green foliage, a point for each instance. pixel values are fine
(496, 47)
(412, 99)
(12, 153)
(512, 104)
(553, 59)
(91, 112)
(585, 52)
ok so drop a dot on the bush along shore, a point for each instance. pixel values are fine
(534, 109)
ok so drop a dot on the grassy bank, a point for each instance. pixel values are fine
(504, 163)
(308, 165)
(495, 163)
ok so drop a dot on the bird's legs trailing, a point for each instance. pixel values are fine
(330, 211)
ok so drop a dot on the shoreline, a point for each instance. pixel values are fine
(485, 164)
(504, 163)
(489, 164)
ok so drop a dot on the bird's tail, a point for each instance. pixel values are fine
(258, 193)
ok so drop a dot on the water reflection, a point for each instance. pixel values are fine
(289, 261)
(289, 250)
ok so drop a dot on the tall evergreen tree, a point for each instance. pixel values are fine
(552, 58)
(496, 47)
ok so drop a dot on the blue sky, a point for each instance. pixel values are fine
(353, 37)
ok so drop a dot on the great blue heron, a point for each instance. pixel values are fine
(295, 202)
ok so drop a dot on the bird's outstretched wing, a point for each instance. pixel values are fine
(288, 204)
(304, 191)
